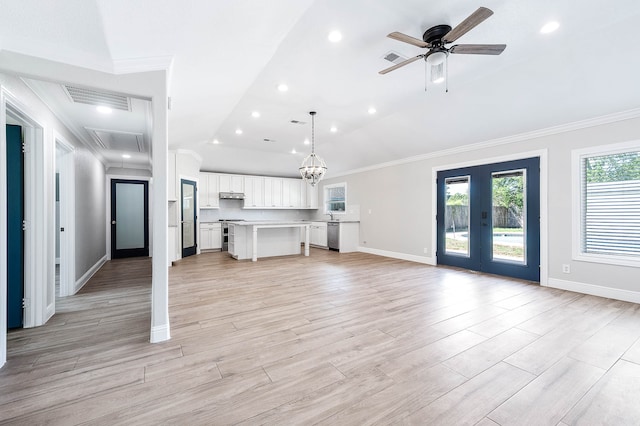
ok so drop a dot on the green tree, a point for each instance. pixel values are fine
(458, 199)
(613, 168)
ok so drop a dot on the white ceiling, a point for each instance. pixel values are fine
(229, 56)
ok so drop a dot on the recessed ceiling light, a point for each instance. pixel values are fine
(293, 151)
(306, 142)
(283, 87)
(104, 109)
(549, 27)
(333, 129)
(238, 131)
(215, 141)
(126, 156)
(372, 110)
(335, 36)
(255, 114)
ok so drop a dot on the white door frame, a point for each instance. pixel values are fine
(66, 170)
(39, 243)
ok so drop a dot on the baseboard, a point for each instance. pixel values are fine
(595, 290)
(90, 273)
(160, 333)
(402, 256)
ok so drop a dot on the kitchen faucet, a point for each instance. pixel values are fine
(330, 215)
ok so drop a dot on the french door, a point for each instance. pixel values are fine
(188, 207)
(129, 218)
(488, 218)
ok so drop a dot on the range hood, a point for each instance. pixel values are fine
(231, 196)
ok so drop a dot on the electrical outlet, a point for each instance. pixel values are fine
(369, 211)
(566, 268)
(426, 250)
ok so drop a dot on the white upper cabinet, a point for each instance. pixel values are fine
(260, 192)
(208, 196)
(291, 196)
(231, 183)
(272, 192)
(253, 192)
(172, 192)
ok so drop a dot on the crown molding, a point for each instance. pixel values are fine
(548, 131)
(134, 65)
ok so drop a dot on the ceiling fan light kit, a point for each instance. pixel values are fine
(435, 39)
(313, 167)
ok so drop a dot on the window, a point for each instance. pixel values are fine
(335, 198)
(608, 187)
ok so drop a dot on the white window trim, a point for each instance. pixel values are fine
(576, 190)
(324, 197)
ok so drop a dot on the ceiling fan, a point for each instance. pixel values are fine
(435, 39)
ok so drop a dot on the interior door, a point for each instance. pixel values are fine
(489, 218)
(129, 218)
(188, 206)
(15, 232)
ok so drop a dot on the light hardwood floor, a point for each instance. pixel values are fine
(335, 339)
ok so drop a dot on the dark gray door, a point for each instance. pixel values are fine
(129, 218)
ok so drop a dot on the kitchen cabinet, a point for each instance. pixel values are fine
(318, 234)
(208, 196)
(308, 195)
(210, 236)
(272, 192)
(291, 193)
(231, 183)
(172, 182)
(253, 192)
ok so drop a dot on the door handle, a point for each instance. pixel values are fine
(113, 222)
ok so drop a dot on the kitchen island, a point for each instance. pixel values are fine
(253, 239)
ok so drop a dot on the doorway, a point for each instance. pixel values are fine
(189, 217)
(129, 218)
(15, 227)
(65, 218)
(488, 218)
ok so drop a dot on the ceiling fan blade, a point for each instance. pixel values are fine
(468, 24)
(478, 49)
(408, 39)
(401, 64)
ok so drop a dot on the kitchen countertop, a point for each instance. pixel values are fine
(336, 221)
(272, 222)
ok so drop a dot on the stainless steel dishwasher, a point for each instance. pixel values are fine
(333, 235)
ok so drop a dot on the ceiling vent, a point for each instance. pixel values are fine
(298, 122)
(116, 140)
(394, 57)
(94, 97)
(268, 140)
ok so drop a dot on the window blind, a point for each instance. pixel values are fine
(611, 204)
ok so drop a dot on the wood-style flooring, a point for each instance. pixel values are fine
(332, 339)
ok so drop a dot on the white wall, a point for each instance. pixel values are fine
(89, 179)
(89, 214)
(396, 210)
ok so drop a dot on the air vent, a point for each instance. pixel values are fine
(268, 140)
(394, 57)
(94, 97)
(298, 122)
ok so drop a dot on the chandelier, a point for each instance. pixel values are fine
(313, 167)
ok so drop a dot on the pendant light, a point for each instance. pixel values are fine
(313, 167)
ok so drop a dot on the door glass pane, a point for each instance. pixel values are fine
(188, 205)
(508, 216)
(129, 216)
(456, 214)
